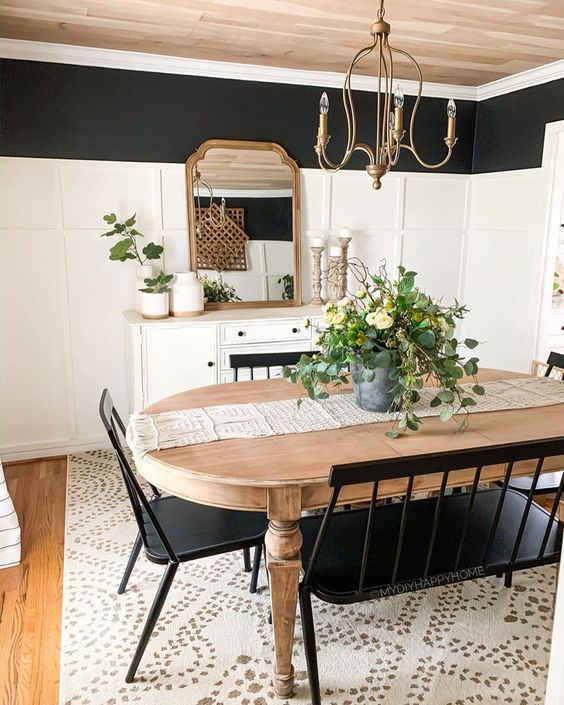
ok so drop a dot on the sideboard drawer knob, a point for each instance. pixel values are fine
(210, 364)
(241, 333)
(294, 330)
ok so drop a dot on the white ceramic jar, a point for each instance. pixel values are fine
(186, 295)
(145, 271)
(154, 305)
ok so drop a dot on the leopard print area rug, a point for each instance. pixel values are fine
(474, 642)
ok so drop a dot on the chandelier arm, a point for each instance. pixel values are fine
(411, 146)
(423, 162)
(348, 104)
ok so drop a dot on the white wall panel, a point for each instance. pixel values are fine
(507, 201)
(374, 246)
(313, 184)
(176, 256)
(173, 185)
(99, 290)
(34, 356)
(436, 256)
(437, 203)
(29, 194)
(354, 203)
(498, 286)
(90, 191)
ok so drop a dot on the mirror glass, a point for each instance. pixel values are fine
(243, 218)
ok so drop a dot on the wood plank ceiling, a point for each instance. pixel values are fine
(455, 41)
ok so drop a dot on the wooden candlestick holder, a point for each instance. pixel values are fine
(334, 278)
(316, 279)
(344, 243)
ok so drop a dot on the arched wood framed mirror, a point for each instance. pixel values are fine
(244, 224)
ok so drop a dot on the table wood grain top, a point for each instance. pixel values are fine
(306, 459)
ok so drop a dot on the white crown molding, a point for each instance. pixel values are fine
(525, 79)
(157, 63)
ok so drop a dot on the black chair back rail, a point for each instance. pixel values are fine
(254, 361)
(488, 531)
(144, 515)
(554, 360)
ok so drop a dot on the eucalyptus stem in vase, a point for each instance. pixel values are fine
(394, 338)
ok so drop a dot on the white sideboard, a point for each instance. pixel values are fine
(172, 355)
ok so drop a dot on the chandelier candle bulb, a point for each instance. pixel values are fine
(451, 123)
(322, 136)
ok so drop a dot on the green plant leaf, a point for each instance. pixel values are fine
(120, 251)
(446, 414)
(392, 434)
(446, 396)
(383, 359)
(467, 401)
(479, 390)
(153, 251)
(427, 339)
(110, 218)
(108, 234)
(368, 375)
(131, 221)
(471, 343)
(435, 401)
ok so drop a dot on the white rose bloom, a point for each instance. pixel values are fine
(344, 302)
(380, 319)
(339, 317)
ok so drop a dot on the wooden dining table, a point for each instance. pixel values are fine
(285, 475)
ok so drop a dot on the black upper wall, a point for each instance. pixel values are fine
(510, 128)
(79, 112)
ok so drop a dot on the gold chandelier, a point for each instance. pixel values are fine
(389, 123)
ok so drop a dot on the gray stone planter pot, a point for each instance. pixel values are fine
(375, 395)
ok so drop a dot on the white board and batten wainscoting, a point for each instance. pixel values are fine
(477, 238)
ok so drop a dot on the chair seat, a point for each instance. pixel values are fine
(548, 482)
(197, 531)
(336, 573)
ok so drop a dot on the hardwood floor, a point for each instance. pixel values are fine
(31, 593)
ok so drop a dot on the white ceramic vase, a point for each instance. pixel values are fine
(145, 271)
(154, 305)
(186, 295)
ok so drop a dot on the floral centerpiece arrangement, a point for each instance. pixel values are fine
(394, 339)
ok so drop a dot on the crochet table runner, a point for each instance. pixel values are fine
(172, 429)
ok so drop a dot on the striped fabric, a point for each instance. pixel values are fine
(9, 527)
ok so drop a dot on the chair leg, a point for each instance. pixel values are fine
(310, 648)
(247, 560)
(508, 579)
(256, 567)
(130, 564)
(152, 617)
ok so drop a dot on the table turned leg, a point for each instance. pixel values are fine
(283, 542)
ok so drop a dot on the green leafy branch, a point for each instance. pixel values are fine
(158, 284)
(126, 248)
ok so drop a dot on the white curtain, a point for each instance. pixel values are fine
(9, 527)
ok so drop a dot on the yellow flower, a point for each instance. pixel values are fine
(339, 317)
(380, 319)
(328, 316)
(361, 294)
(360, 339)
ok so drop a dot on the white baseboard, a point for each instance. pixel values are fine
(48, 450)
